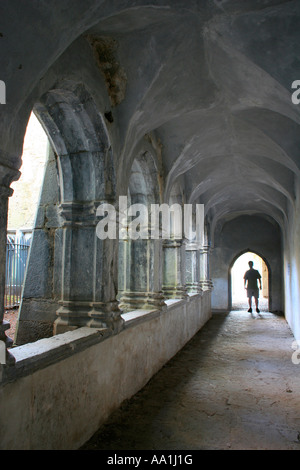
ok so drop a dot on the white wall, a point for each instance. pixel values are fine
(292, 269)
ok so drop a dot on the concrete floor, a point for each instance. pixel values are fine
(234, 386)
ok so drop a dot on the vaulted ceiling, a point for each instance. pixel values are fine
(209, 79)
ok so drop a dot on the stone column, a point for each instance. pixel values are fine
(89, 272)
(193, 268)
(142, 278)
(205, 281)
(39, 303)
(123, 271)
(9, 360)
(174, 286)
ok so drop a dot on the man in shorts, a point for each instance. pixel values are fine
(250, 281)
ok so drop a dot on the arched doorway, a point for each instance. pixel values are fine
(237, 295)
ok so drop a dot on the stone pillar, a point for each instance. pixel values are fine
(193, 268)
(9, 360)
(142, 278)
(174, 286)
(205, 281)
(123, 271)
(89, 272)
(39, 303)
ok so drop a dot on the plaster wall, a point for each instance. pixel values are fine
(246, 233)
(292, 269)
(63, 388)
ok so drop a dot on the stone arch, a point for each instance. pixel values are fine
(79, 289)
(246, 250)
(140, 260)
(79, 136)
(143, 180)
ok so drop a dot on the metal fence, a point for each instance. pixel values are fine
(16, 259)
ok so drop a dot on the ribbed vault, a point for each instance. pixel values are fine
(210, 81)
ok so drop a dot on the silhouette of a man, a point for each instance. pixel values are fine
(250, 281)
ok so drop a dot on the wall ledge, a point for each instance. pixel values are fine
(69, 384)
(44, 352)
(31, 357)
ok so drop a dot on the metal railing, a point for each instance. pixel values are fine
(16, 260)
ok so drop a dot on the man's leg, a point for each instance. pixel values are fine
(250, 303)
(256, 304)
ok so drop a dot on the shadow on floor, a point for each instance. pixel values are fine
(139, 422)
(233, 386)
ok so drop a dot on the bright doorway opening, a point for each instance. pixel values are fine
(239, 299)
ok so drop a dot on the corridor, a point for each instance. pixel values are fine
(172, 137)
(234, 386)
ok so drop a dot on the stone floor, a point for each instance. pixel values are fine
(11, 315)
(234, 386)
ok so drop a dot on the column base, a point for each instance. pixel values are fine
(206, 285)
(177, 292)
(9, 359)
(141, 301)
(194, 288)
(73, 315)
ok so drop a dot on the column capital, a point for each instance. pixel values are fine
(173, 243)
(206, 284)
(6, 192)
(8, 174)
(78, 213)
(192, 246)
(205, 248)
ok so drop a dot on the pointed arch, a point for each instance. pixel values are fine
(235, 258)
(80, 139)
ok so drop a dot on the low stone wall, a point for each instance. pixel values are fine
(63, 388)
